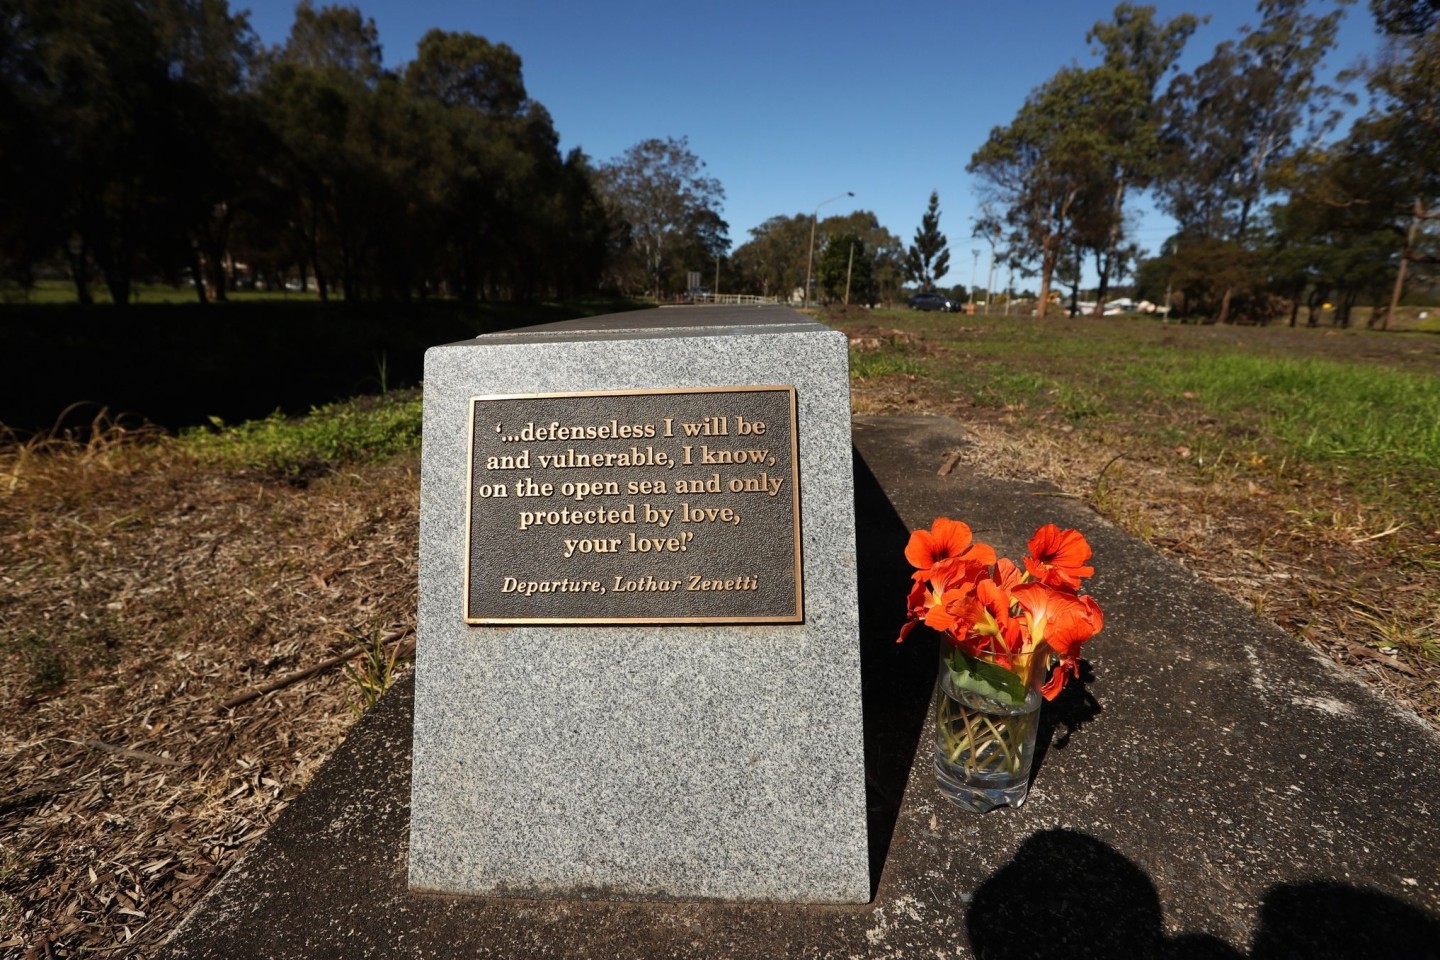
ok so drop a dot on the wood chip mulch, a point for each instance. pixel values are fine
(138, 593)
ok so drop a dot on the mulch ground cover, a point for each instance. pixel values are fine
(139, 594)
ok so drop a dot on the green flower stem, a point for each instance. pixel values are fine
(985, 742)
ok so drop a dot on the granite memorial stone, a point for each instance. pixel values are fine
(638, 668)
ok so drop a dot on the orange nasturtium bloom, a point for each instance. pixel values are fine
(927, 597)
(1059, 557)
(945, 540)
(1061, 621)
(990, 608)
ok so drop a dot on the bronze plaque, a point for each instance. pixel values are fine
(628, 506)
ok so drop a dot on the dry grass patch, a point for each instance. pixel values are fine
(139, 590)
(1301, 553)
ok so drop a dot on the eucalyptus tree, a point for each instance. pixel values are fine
(1236, 116)
(772, 262)
(212, 162)
(33, 158)
(1402, 130)
(500, 194)
(93, 80)
(884, 251)
(1139, 50)
(318, 89)
(659, 188)
(1406, 18)
(1038, 172)
(846, 270)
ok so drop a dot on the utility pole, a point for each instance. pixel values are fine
(990, 280)
(814, 218)
(848, 270)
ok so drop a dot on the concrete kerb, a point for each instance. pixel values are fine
(1211, 790)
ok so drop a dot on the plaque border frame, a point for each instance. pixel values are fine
(797, 616)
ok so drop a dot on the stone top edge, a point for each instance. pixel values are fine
(664, 322)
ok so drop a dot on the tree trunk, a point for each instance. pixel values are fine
(1047, 267)
(1347, 302)
(215, 256)
(80, 276)
(197, 275)
(1075, 287)
(1106, 263)
(1405, 254)
(119, 286)
(1225, 306)
(1311, 304)
(117, 275)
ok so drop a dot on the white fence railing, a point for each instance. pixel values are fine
(733, 299)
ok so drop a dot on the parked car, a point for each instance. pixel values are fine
(930, 300)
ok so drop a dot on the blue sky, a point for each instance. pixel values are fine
(791, 103)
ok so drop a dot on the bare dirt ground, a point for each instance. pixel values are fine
(141, 592)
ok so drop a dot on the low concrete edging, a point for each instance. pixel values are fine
(1213, 789)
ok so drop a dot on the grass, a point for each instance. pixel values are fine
(1314, 409)
(63, 292)
(354, 431)
(1313, 451)
(889, 360)
(373, 672)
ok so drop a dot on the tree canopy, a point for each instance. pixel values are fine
(660, 190)
(156, 139)
(159, 140)
(928, 258)
(1239, 151)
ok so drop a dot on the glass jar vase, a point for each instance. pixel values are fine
(983, 746)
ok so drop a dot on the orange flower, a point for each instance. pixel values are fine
(1007, 575)
(1061, 621)
(1058, 557)
(945, 540)
(931, 586)
(1051, 688)
(995, 628)
(956, 613)
(989, 608)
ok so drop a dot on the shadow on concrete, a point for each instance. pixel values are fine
(1069, 896)
(1063, 716)
(896, 680)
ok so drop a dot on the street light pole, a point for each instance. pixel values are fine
(810, 260)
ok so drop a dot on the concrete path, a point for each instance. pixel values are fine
(1212, 790)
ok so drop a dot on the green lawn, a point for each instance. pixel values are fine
(1361, 408)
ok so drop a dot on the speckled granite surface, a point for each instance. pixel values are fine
(694, 761)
